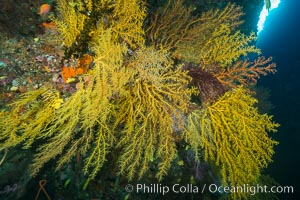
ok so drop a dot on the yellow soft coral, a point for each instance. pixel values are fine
(151, 111)
(83, 122)
(198, 32)
(136, 99)
(70, 21)
(30, 114)
(225, 47)
(128, 21)
(234, 136)
(78, 124)
(77, 21)
(175, 26)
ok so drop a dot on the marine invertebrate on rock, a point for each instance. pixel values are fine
(44, 9)
(83, 65)
(209, 87)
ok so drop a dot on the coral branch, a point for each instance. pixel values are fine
(245, 72)
(151, 110)
(234, 136)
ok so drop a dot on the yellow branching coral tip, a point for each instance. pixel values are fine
(196, 42)
(233, 134)
(57, 102)
(69, 22)
(225, 47)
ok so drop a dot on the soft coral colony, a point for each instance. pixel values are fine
(157, 81)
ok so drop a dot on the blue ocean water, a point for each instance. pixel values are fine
(281, 40)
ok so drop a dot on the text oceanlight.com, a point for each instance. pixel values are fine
(212, 188)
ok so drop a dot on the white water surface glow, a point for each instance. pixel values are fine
(264, 13)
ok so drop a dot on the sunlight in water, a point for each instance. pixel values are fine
(264, 13)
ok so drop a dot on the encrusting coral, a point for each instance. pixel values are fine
(82, 66)
(136, 97)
